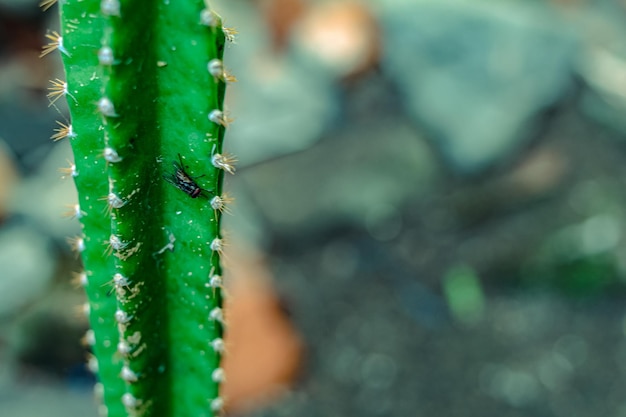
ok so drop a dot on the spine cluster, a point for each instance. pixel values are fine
(145, 87)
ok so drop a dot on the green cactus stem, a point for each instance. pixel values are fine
(145, 87)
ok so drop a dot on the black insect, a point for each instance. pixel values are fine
(183, 181)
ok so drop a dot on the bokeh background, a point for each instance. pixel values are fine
(430, 211)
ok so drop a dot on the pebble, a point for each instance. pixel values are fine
(27, 263)
(477, 77)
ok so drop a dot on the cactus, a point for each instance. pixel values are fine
(145, 85)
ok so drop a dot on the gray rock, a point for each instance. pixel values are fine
(279, 104)
(48, 399)
(242, 221)
(602, 64)
(27, 266)
(45, 197)
(477, 75)
(277, 114)
(361, 177)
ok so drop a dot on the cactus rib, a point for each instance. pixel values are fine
(145, 87)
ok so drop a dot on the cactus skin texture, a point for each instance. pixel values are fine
(145, 87)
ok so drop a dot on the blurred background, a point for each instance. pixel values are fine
(429, 216)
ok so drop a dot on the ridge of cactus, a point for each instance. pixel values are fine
(145, 87)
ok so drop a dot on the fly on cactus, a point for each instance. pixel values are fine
(157, 336)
